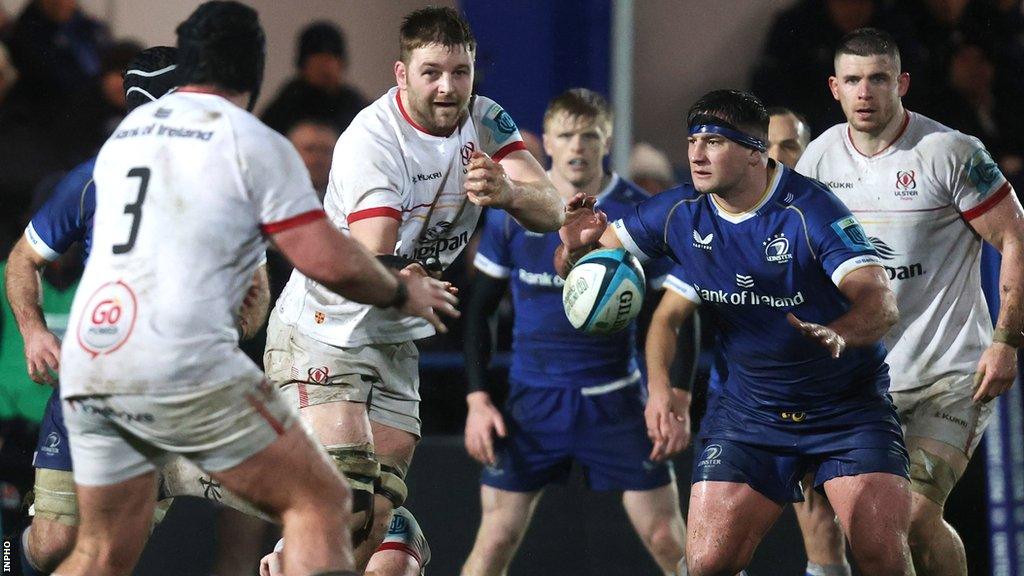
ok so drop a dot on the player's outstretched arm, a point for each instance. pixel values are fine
(324, 254)
(256, 304)
(483, 419)
(668, 409)
(42, 348)
(585, 229)
(518, 185)
(1003, 227)
(872, 313)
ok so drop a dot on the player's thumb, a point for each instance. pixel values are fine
(793, 320)
(499, 426)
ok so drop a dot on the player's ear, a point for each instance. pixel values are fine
(401, 75)
(903, 82)
(833, 86)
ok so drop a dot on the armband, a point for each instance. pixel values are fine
(400, 298)
(1012, 338)
(395, 261)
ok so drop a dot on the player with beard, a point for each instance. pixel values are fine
(409, 179)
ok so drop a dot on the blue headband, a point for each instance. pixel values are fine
(736, 136)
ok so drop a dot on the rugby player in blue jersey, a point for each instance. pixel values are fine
(573, 397)
(800, 303)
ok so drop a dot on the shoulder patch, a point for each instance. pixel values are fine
(500, 123)
(852, 234)
(983, 172)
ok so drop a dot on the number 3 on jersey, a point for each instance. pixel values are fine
(135, 209)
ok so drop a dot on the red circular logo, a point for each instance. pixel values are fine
(108, 319)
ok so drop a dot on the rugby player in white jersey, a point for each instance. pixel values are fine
(927, 196)
(409, 179)
(188, 187)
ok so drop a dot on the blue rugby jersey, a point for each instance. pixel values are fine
(546, 349)
(787, 254)
(66, 216)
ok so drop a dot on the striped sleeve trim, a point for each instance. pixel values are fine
(627, 241)
(37, 244)
(490, 267)
(297, 220)
(682, 288)
(852, 264)
(989, 202)
(508, 149)
(383, 211)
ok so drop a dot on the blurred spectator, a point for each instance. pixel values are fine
(939, 28)
(98, 107)
(650, 169)
(798, 55)
(5, 21)
(56, 48)
(320, 90)
(788, 135)
(8, 73)
(315, 139)
(969, 104)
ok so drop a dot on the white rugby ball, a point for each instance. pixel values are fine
(604, 291)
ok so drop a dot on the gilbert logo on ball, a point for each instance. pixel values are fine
(604, 291)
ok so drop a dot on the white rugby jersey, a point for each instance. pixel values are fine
(915, 199)
(186, 188)
(386, 165)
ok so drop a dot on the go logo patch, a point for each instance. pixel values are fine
(108, 319)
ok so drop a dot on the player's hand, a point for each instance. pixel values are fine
(486, 183)
(583, 224)
(428, 297)
(823, 335)
(668, 421)
(270, 565)
(483, 423)
(418, 269)
(42, 356)
(997, 370)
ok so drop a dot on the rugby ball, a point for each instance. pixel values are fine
(604, 291)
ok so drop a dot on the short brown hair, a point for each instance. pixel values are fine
(870, 42)
(434, 25)
(581, 103)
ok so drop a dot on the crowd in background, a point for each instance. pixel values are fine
(61, 97)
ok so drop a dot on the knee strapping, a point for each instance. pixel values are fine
(54, 496)
(392, 480)
(931, 476)
(360, 466)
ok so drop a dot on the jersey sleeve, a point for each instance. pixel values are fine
(493, 256)
(366, 177)
(277, 180)
(60, 222)
(642, 229)
(975, 180)
(657, 270)
(676, 281)
(497, 132)
(838, 239)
